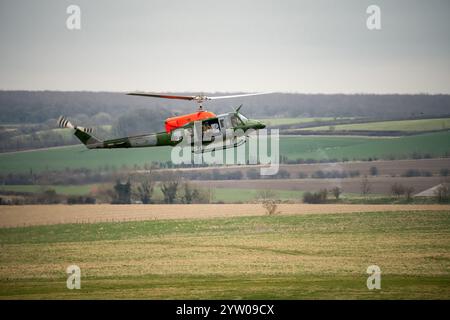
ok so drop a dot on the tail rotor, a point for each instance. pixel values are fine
(83, 134)
(63, 122)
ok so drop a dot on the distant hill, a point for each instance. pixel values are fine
(40, 106)
(28, 118)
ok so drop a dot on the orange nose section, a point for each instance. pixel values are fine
(177, 122)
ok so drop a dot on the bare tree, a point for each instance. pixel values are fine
(270, 205)
(442, 193)
(336, 192)
(191, 194)
(409, 192)
(169, 189)
(397, 189)
(144, 190)
(366, 186)
(211, 193)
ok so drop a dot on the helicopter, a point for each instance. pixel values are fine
(221, 131)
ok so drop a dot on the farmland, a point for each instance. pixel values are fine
(32, 215)
(360, 148)
(67, 190)
(296, 256)
(226, 195)
(379, 185)
(247, 191)
(292, 147)
(288, 189)
(401, 125)
(273, 122)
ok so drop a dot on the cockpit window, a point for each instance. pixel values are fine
(235, 121)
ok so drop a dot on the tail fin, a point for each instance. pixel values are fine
(83, 134)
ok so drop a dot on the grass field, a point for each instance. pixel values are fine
(360, 148)
(229, 195)
(65, 190)
(402, 125)
(273, 122)
(293, 147)
(226, 195)
(316, 256)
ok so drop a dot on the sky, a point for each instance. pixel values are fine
(313, 46)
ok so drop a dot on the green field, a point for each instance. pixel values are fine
(65, 190)
(362, 148)
(273, 122)
(402, 125)
(305, 147)
(320, 256)
(227, 195)
(233, 195)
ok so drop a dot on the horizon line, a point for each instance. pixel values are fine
(228, 92)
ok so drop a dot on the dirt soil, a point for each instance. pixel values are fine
(16, 216)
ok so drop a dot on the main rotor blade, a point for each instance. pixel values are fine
(161, 96)
(238, 95)
(198, 98)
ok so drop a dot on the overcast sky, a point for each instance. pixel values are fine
(238, 45)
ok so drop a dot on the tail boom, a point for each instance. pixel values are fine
(91, 142)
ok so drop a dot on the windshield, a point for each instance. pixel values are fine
(242, 117)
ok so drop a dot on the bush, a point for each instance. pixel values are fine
(270, 206)
(354, 173)
(81, 200)
(316, 197)
(416, 173)
(253, 174)
(374, 171)
(302, 175)
(281, 174)
(319, 174)
(334, 174)
(48, 197)
(122, 193)
(425, 173)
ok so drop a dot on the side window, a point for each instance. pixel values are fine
(177, 135)
(234, 121)
(222, 123)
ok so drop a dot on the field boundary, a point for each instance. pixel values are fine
(34, 215)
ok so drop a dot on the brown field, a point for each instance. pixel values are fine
(379, 185)
(14, 216)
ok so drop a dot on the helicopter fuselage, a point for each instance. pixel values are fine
(224, 126)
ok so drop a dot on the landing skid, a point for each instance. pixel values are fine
(235, 145)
